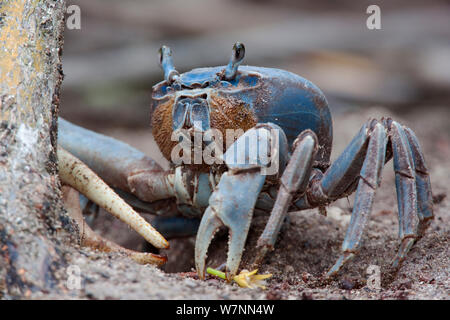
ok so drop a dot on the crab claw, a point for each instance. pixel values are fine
(232, 202)
(231, 205)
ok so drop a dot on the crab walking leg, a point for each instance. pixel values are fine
(76, 174)
(345, 170)
(405, 181)
(341, 177)
(90, 239)
(370, 178)
(294, 180)
(423, 184)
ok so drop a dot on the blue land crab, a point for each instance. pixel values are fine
(276, 105)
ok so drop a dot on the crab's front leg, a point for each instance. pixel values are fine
(120, 166)
(234, 198)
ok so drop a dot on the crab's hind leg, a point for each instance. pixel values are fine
(423, 184)
(413, 188)
(412, 183)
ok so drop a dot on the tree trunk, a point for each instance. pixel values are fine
(33, 222)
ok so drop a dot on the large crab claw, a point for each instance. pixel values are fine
(231, 205)
(234, 198)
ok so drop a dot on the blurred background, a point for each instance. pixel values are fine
(402, 70)
(111, 64)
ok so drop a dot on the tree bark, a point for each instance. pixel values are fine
(33, 222)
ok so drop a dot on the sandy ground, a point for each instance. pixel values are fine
(309, 243)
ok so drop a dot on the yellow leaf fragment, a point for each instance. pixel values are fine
(249, 279)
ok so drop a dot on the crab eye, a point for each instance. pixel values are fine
(239, 51)
(236, 58)
(160, 55)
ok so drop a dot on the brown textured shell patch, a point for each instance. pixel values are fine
(226, 113)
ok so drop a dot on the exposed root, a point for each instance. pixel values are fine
(91, 239)
(75, 173)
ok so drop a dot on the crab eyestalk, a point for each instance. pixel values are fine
(166, 63)
(237, 56)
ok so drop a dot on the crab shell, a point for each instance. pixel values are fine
(255, 95)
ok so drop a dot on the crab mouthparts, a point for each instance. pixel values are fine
(191, 113)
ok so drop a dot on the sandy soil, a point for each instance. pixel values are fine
(308, 246)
